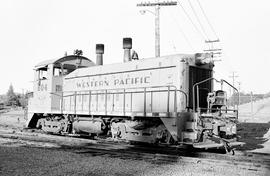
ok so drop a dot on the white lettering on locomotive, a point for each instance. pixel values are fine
(84, 83)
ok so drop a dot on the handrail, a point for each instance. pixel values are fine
(193, 90)
(238, 93)
(186, 97)
(125, 91)
(208, 79)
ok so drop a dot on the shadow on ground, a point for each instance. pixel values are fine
(148, 153)
(252, 134)
(154, 155)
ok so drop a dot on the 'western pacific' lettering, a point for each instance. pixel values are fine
(132, 81)
(115, 82)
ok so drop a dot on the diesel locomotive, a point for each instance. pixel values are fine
(169, 99)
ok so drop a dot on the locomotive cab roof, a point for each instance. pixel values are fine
(79, 61)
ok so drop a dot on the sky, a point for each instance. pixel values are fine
(35, 30)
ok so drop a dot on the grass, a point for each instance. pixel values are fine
(258, 112)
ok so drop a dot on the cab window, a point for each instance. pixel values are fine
(43, 73)
(57, 71)
(68, 68)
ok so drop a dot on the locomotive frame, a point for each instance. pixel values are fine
(158, 100)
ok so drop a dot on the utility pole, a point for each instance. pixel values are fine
(233, 78)
(157, 5)
(213, 51)
(239, 98)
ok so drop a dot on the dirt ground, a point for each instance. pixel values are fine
(255, 135)
(12, 118)
(46, 161)
(18, 157)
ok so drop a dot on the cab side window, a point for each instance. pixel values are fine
(68, 68)
(43, 73)
(57, 71)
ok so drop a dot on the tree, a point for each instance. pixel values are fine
(12, 98)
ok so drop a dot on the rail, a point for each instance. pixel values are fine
(125, 92)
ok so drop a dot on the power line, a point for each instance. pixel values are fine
(191, 21)
(183, 33)
(199, 21)
(207, 19)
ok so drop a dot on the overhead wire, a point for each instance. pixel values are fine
(183, 33)
(209, 23)
(198, 19)
(190, 19)
(207, 19)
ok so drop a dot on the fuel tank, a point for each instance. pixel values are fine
(87, 125)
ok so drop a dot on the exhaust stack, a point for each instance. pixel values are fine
(99, 52)
(127, 45)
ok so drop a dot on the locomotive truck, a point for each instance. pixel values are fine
(169, 99)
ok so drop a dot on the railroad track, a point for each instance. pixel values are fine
(153, 154)
(248, 161)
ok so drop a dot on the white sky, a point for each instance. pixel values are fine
(35, 30)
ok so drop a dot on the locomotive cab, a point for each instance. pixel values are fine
(48, 83)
